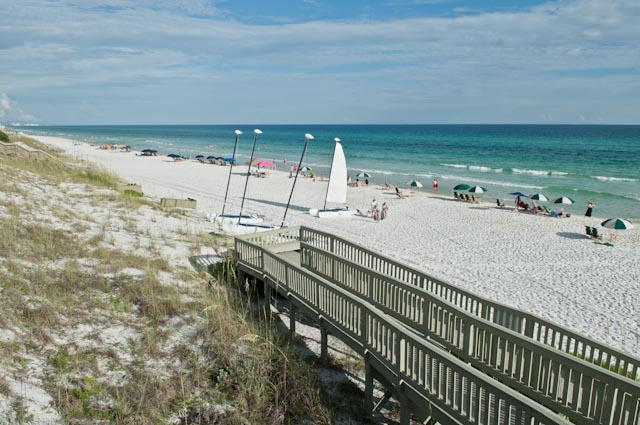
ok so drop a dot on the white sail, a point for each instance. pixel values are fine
(337, 190)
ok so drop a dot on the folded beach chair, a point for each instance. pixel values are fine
(499, 204)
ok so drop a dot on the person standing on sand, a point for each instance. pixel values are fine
(435, 184)
(589, 209)
(383, 212)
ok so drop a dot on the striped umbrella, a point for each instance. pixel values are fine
(564, 200)
(478, 189)
(363, 175)
(415, 183)
(540, 197)
(461, 186)
(305, 169)
(617, 223)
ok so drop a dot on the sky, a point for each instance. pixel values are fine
(319, 61)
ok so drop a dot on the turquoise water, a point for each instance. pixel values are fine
(598, 163)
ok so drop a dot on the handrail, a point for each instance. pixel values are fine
(530, 325)
(429, 372)
(557, 380)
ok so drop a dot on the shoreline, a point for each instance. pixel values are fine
(540, 264)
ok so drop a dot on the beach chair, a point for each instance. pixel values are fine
(399, 194)
(499, 204)
(594, 233)
(466, 198)
(588, 230)
(455, 195)
(546, 210)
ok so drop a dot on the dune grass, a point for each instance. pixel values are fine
(121, 337)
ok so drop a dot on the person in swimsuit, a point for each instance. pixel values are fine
(589, 209)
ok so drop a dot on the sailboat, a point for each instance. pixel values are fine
(337, 187)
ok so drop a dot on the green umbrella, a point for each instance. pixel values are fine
(461, 186)
(363, 175)
(564, 200)
(305, 169)
(478, 189)
(539, 197)
(415, 183)
(617, 223)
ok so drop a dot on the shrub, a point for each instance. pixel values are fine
(3, 136)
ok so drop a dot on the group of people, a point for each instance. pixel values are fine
(378, 213)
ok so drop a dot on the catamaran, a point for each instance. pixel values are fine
(337, 187)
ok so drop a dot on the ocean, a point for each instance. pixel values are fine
(599, 163)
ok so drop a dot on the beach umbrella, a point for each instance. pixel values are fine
(306, 169)
(229, 160)
(564, 200)
(199, 156)
(478, 189)
(266, 163)
(461, 186)
(415, 183)
(617, 223)
(520, 194)
(363, 175)
(233, 161)
(174, 155)
(210, 157)
(540, 197)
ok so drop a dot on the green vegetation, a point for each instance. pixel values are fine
(117, 330)
(3, 136)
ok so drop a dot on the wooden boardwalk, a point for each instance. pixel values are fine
(446, 355)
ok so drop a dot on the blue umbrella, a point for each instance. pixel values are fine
(520, 194)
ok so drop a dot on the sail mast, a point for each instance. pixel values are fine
(337, 140)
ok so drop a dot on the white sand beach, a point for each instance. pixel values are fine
(539, 264)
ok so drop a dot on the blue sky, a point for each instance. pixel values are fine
(319, 61)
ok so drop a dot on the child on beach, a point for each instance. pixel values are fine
(435, 184)
(383, 212)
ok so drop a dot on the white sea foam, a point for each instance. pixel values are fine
(532, 172)
(614, 179)
(491, 182)
(480, 168)
(454, 165)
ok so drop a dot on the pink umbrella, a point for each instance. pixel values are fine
(265, 164)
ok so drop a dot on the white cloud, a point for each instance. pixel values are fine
(10, 112)
(507, 66)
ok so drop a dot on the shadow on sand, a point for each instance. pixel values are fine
(572, 235)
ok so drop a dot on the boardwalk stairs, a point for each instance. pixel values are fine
(447, 355)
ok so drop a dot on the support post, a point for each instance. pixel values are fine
(267, 299)
(324, 352)
(292, 320)
(404, 406)
(368, 386)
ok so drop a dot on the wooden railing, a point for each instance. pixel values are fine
(420, 370)
(584, 392)
(527, 324)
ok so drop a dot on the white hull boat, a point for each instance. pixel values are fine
(252, 219)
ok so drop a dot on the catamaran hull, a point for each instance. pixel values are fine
(243, 228)
(337, 212)
(233, 219)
